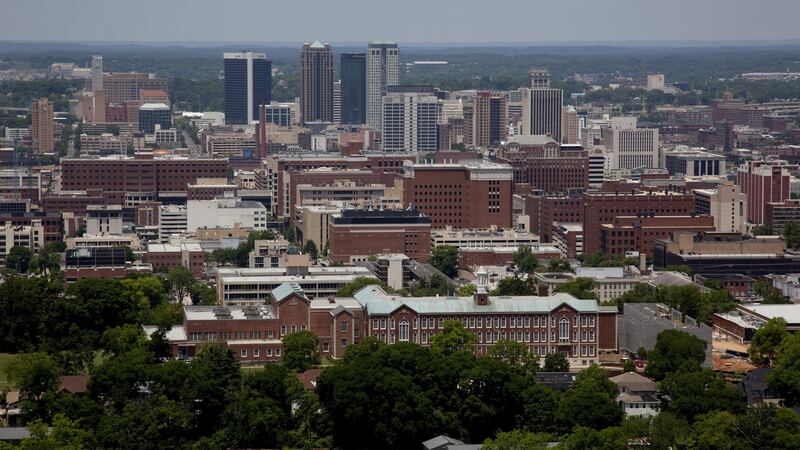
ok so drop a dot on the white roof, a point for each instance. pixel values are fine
(170, 248)
(789, 312)
(153, 107)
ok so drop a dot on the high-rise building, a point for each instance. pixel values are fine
(540, 78)
(763, 182)
(97, 73)
(152, 114)
(382, 71)
(630, 147)
(490, 119)
(541, 107)
(337, 101)
(571, 126)
(316, 83)
(354, 88)
(42, 125)
(248, 83)
(411, 122)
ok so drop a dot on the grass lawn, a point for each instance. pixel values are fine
(5, 360)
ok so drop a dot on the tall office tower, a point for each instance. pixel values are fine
(248, 83)
(571, 126)
(411, 121)
(42, 125)
(490, 119)
(630, 147)
(337, 102)
(469, 122)
(354, 87)
(97, 73)
(540, 78)
(316, 83)
(541, 107)
(382, 71)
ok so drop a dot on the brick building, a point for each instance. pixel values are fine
(467, 194)
(777, 215)
(581, 329)
(637, 233)
(545, 164)
(168, 256)
(76, 202)
(279, 168)
(357, 234)
(762, 182)
(544, 211)
(52, 223)
(603, 207)
(142, 174)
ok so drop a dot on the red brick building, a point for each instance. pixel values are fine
(601, 208)
(140, 174)
(167, 256)
(468, 194)
(637, 233)
(323, 177)
(357, 234)
(580, 329)
(545, 210)
(777, 215)
(544, 164)
(77, 201)
(762, 182)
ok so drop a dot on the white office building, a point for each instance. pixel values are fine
(382, 70)
(411, 122)
(225, 212)
(630, 147)
(171, 220)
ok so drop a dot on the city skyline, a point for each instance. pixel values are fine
(205, 21)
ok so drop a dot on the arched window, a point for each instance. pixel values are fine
(563, 334)
(403, 331)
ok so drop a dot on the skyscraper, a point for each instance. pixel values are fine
(490, 119)
(354, 87)
(42, 125)
(248, 83)
(571, 126)
(382, 71)
(316, 82)
(541, 107)
(97, 73)
(411, 121)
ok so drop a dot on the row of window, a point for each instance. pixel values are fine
(478, 322)
(256, 352)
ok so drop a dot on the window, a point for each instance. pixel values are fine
(527, 321)
(513, 322)
(344, 326)
(383, 324)
(256, 353)
(325, 347)
(574, 335)
(294, 328)
(269, 352)
(591, 335)
(277, 352)
(503, 322)
(472, 322)
(441, 322)
(583, 336)
(563, 329)
(424, 337)
(527, 336)
(583, 321)
(575, 321)
(271, 334)
(424, 323)
(403, 331)
(480, 322)
(416, 324)
(243, 353)
(375, 324)
(283, 330)
(536, 321)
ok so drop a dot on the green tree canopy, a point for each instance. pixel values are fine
(300, 350)
(673, 349)
(555, 362)
(767, 340)
(513, 286)
(445, 258)
(579, 288)
(19, 259)
(453, 338)
(525, 260)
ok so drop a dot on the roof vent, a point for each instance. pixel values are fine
(222, 313)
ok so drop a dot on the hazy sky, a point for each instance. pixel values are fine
(401, 20)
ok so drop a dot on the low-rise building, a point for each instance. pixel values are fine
(225, 212)
(168, 256)
(568, 237)
(268, 253)
(356, 235)
(743, 322)
(637, 394)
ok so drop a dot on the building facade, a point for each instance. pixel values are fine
(353, 69)
(248, 84)
(490, 119)
(356, 235)
(316, 82)
(410, 122)
(383, 66)
(42, 126)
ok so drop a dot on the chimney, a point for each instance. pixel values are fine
(331, 299)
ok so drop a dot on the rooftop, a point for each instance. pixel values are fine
(791, 312)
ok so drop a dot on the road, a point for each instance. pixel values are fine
(194, 149)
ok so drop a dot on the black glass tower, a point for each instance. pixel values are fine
(354, 88)
(248, 84)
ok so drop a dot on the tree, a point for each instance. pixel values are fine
(516, 354)
(673, 349)
(628, 366)
(301, 350)
(761, 230)
(555, 362)
(579, 288)
(468, 290)
(512, 286)
(445, 258)
(785, 378)
(591, 402)
(180, 280)
(767, 340)
(517, 440)
(692, 392)
(64, 434)
(558, 265)
(19, 259)
(358, 283)
(202, 294)
(453, 338)
(290, 234)
(311, 249)
(791, 234)
(35, 375)
(524, 259)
